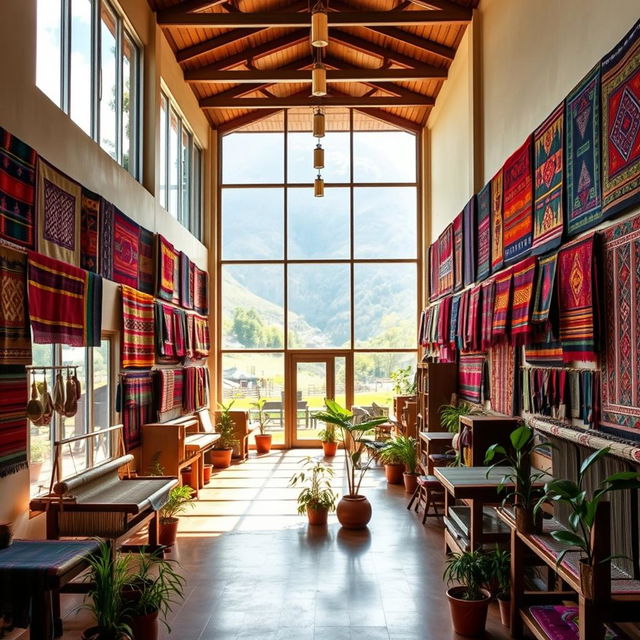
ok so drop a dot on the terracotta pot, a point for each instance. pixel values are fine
(94, 633)
(410, 481)
(354, 512)
(317, 516)
(469, 617)
(263, 443)
(168, 531)
(221, 458)
(208, 468)
(329, 449)
(145, 627)
(188, 478)
(504, 603)
(394, 473)
(526, 522)
(586, 579)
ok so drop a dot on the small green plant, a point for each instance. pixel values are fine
(328, 434)
(263, 416)
(403, 383)
(225, 427)
(155, 468)
(390, 453)
(401, 450)
(499, 570)
(180, 499)
(317, 494)
(450, 415)
(470, 570)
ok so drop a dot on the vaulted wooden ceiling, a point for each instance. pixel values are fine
(245, 59)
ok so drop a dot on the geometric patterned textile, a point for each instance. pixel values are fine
(201, 291)
(469, 225)
(503, 361)
(548, 223)
(13, 420)
(524, 275)
(137, 406)
(458, 252)
(186, 300)
(17, 190)
(621, 124)
(165, 333)
(15, 332)
(621, 359)
(105, 241)
(471, 340)
(167, 259)
(201, 340)
(453, 325)
(59, 203)
(561, 622)
(138, 333)
(470, 376)
(446, 264)
(545, 289)
(577, 297)
(196, 388)
(497, 230)
(89, 225)
(502, 306)
(146, 263)
(170, 383)
(486, 318)
(434, 271)
(582, 123)
(483, 258)
(93, 309)
(544, 350)
(518, 202)
(126, 247)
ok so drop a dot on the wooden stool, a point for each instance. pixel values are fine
(430, 492)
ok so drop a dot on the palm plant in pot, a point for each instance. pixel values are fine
(263, 439)
(391, 457)
(583, 509)
(468, 599)
(316, 499)
(329, 439)
(179, 500)
(408, 450)
(500, 571)
(354, 510)
(221, 453)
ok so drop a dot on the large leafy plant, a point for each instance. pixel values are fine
(353, 436)
(317, 494)
(179, 500)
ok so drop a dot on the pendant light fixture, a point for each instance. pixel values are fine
(318, 123)
(318, 80)
(318, 186)
(318, 157)
(319, 25)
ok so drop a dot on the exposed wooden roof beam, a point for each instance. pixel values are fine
(443, 5)
(190, 5)
(286, 19)
(215, 102)
(392, 118)
(246, 119)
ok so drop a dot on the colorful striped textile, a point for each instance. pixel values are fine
(502, 306)
(57, 301)
(524, 276)
(518, 203)
(621, 124)
(13, 420)
(15, 332)
(164, 331)
(126, 248)
(89, 227)
(105, 242)
(186, 290)
(471, 376)
(458, 253)
(179, 332)
(483, 256)
(453, 325)
(582, 154)
(167, 263)
(59, 201)
(545, 290)
(486, 318)
(201, 340)
(497, 222)
(201, 291)
(434, 271)
(444, 320)
(138, 335)
(544, 350)
(93, 309)
(196, 388)
(469, 228)
(548, 217)
(170, 384)
(137, 406)
(446, 277)
(577, 296)
(146, 263)
(463, 313)
(17, 190)
(472, 338)
(503, 367)
(190, 335)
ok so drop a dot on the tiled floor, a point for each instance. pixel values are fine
(255, 570)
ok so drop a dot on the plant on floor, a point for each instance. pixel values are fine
(225, 426)
(403, 383)
(391, 457)
(179, 500)
(354, 510)
(408, 449)
(329, 439)
(263, 439)
(500, 572)
(317, 498)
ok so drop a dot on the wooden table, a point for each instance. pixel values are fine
(433, 442)
(42, 568)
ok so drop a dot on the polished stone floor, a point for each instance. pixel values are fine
(255, 570)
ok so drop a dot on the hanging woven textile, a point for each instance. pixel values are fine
(15, 332)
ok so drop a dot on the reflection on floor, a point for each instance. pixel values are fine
(255, 570)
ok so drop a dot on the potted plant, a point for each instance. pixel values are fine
(38, 450)
(151, 590)
(500, 571)
(329, 439)
(263, 439)
(108, 574)
(354, 510)
(408, 450)
(583, 510)
(179, 500)
(450, 415)
(518, 483)
(469, 599)
(391, 457)
(221, 452)
(404, 388)
(316, 499)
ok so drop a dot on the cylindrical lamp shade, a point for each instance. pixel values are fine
(318, 80)
(319, 29)
(318, 187)
(318, 124)
(318, 158)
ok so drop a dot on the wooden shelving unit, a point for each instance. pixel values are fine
(436, 382)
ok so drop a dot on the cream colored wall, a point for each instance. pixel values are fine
(26, 112)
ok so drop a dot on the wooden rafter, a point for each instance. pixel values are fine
(443, 5)
(190, 5)
(216, 102)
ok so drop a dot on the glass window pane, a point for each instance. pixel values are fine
(318, 227)
(253, 306)
(101, 400)
(336, 157)
(164, 114)
(372, 376)
(174, 163)
(196, 216)
(253, 158)
(385, 222)
(129, 103)
(384, 156)
(186, 177)
(74, 454)
(247, 377)
(48, 62)
(252, 224)
(319, 306)
(81, 64)
(109, 96)
(385, 305)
